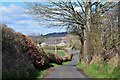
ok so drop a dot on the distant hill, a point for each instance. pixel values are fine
(62, 34)
(42, 38)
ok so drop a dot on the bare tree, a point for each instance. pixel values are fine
(79, 21)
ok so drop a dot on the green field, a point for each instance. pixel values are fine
(59, 52)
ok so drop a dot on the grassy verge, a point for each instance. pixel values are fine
(38, 73)
(99, 70)
(24, 74)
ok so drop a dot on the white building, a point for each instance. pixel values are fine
(53, 43)
(43, 44)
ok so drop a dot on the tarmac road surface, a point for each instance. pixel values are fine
(68, 70)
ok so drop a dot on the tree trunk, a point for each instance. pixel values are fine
(80, 56)
(81, 37)
(118, 31)
(87, 34)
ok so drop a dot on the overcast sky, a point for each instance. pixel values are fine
(13, 15)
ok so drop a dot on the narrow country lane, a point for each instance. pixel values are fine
(67, 71)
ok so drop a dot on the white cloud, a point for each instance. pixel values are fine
(26, 0)
(14, 16)
(11, 13)
(7, 10)
(14, 7)
(4, 9)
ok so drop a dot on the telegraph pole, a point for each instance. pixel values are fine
(55, 47)
(55, 41)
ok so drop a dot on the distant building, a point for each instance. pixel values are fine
(43, 44)
(62, 43)
(38, 45)
(53, 43)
